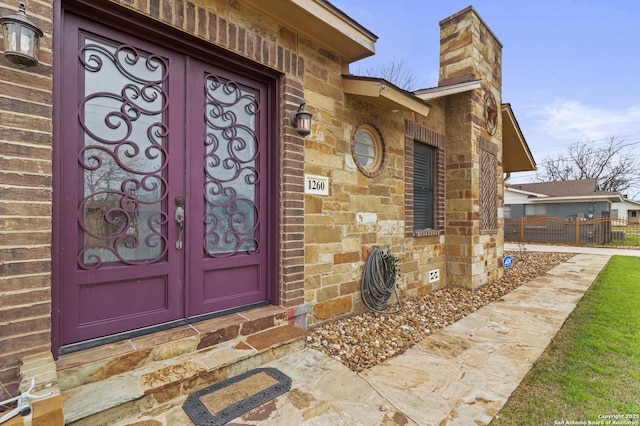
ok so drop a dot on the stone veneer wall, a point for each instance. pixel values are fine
(361, 213)
(470, 51)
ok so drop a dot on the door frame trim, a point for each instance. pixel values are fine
(147, 28)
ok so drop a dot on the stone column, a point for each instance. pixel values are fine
(474, 237)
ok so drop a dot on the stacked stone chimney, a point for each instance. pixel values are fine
(474, 192)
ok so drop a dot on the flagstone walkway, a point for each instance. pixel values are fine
(461, 375)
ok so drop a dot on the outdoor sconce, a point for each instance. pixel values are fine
(301, 120)
(21, 38)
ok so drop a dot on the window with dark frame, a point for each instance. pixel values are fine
(423, 186)
(424, 199)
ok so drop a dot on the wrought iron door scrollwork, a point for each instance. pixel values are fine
(124, 157)
(231, 173)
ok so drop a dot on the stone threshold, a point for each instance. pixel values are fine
(114, 358)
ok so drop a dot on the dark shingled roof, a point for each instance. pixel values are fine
(564, 188)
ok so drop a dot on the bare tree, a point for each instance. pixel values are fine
(613, 164)
(396, 72)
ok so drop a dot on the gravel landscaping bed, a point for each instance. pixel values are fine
(365, 340)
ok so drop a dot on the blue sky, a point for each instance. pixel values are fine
(571, 68)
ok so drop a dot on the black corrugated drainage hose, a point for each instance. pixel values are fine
(379, 282)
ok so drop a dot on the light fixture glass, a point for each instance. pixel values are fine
(21, 38)
(301, 120)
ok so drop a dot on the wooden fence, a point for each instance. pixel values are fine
(549, 229)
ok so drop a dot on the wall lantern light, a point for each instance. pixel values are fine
(21, 38)
(301, 120)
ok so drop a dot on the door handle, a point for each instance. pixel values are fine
(179, 216)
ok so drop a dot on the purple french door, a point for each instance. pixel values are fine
(228, 267)
(165, 192)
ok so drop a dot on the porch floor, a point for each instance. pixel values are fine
(144, 375)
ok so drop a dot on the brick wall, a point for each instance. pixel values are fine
(25, 202)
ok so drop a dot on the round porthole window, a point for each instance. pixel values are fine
(368, 150)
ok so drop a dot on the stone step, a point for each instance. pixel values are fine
(104, 390)
(99, 363)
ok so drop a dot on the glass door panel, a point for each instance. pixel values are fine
(231, 173)
(124, 156)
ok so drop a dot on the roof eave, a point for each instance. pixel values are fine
(384, 93)
(522, 191)
(573, 198)
(448, 90)
(626, 200)
(323, 22)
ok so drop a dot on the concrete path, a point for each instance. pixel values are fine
(573, 249)
(461, 375)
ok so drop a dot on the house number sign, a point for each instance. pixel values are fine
(316, 185)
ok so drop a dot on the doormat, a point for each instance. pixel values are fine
(222, 402)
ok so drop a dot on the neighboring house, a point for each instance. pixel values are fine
(152, 176)
(569, 199)
(626, 209)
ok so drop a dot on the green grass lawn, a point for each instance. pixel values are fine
(632, 235)
(630, 240)
(592, 366)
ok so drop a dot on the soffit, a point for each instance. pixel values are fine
(516, 156)
(383, 93)
(323, 22)
(448, 90)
